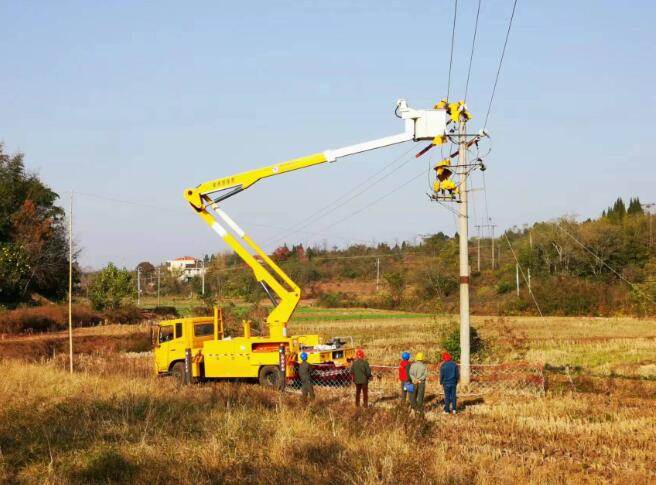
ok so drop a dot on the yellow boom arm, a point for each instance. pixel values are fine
(283, 292)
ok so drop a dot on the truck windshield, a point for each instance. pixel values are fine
(165, 334)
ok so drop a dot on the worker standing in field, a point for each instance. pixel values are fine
(305, 374)
(404, 378)
(449, 378)
(361, 376)
(418, 373)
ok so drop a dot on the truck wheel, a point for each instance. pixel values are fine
(178, 372)
(270, 377)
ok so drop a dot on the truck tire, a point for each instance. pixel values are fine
(178, 372)
(270, 377)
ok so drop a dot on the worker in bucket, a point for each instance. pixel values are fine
(305, 374)
(404, 378)
(449, 378)
(361, 376)
(418, 373)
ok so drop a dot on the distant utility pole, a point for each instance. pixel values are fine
(377, 273)
(70, 285)
(649, 207)
(202, 277)
(528, 271)
(478, 248)
(517, 277)
(138, 286)
(463, 232)
(491, 226)
(492, 229)
(159, 270)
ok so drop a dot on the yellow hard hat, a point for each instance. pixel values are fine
(419, 356)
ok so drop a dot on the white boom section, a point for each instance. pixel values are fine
(423, 124)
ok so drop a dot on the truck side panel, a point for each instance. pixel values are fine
(234, 358)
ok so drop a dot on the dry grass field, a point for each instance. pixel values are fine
(112, 422)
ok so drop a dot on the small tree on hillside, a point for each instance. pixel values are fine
(110, 287)
(396, 282)
(146, 268)
(281, 253)
(635, 207)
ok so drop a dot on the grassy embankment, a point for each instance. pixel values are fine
(114, 422)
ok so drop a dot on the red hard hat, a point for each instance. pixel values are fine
(359, 354)
(446, 356)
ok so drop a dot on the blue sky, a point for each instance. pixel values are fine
(135, 101)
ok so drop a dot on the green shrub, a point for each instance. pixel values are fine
(166, 311)
(451, 342)
(124, 314)
(504, 287)
(330, 300)
(14, 274)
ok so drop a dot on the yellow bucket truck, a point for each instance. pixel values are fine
(212, 354)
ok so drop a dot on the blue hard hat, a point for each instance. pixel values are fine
(405, 355)
(303, 356)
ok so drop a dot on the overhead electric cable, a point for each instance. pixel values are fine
(340, 201)
(471, 55)
(453, 36)
(503, 53)
(530, 291)
(180, 212)
(630, 283)
(375, 201)
(487, 213)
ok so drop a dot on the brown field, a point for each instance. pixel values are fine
(112, 422)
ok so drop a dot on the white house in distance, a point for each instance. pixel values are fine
(187, 267)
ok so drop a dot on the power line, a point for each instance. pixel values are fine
(340, 201)
(487, 213)
(503, 53)
(453, 35)
(180, 212)
(630, 283)
(128, 202)
(375, 201)
(530, 291)
(471, 56)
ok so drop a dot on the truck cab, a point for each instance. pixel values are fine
(174, 337)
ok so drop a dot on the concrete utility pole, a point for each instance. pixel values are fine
(492, 229)
(377, 273)
(159, 269)
(478, 249)
(528, 271)
(517, 277)
(138, 286)
(463, 232)
(70, 285)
